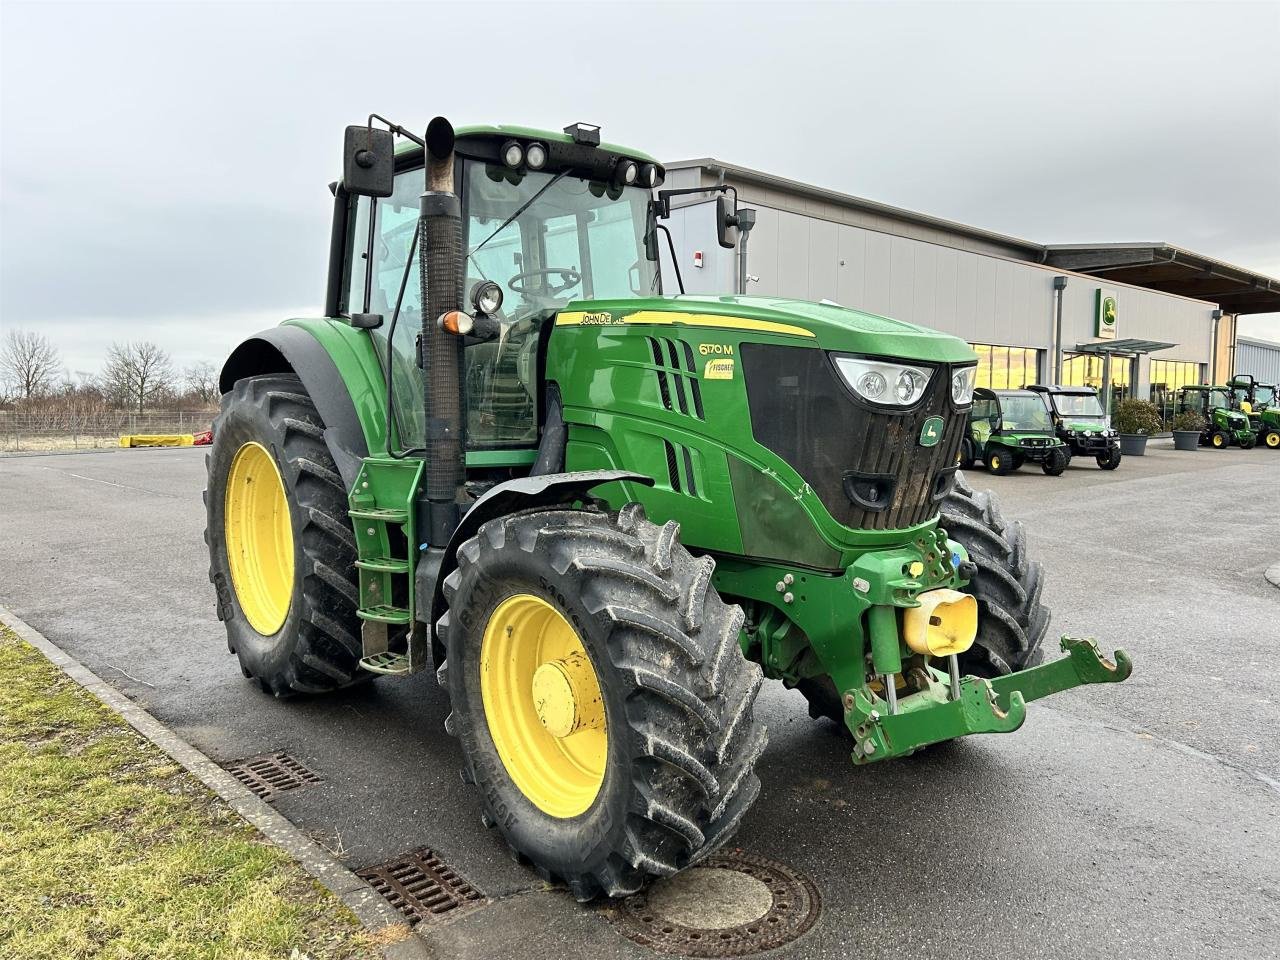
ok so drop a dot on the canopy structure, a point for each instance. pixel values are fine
(1111, 348)
(1164, 267)
(1127, 347)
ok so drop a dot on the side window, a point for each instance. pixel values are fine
(614, 241)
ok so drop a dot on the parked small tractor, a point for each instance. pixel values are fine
(1080, 422)
(1223, 425)
(603, 512)
(1008, 428)
(1257, 401)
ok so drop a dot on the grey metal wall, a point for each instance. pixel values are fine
(1258, 357)
(978, 296)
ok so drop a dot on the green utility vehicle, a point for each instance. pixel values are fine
(604, 513)
(1008, 428)
(1081, 423)
(1223, 425)
(1257, 401)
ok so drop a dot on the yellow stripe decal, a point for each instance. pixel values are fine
(667, 318)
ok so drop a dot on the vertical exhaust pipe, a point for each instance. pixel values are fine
(440, 269)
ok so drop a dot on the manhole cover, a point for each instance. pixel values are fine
(271, 774)
(421, 886)
(733, 904)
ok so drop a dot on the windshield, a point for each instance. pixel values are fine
(1220, 397)
(1021, 413)
(1077, 405)
(1265, 395)
(548, 238)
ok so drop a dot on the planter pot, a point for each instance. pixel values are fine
(1133, 444)
(1186, 439)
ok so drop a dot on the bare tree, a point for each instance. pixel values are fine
(202, 381)
(29, 362)
(137, 373)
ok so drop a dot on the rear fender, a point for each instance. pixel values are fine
(341, 373)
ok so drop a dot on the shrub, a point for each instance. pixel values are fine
(1135, 416)
(1189, 420)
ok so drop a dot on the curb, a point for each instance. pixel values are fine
(378, 917)
(1273, 574)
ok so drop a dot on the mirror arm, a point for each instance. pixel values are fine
(397, 129)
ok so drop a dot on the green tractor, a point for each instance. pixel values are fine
(604, 514)
(1257, 401)
(1007, 428)
(1081, 423)
(1223, 425)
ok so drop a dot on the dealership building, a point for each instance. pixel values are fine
(1144, 318)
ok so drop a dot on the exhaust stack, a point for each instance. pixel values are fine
(440, 269)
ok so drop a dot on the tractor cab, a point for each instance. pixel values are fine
(1223, 425)
(1080, 422)
(1008, 428)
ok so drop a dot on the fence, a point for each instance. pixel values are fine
(72, 428)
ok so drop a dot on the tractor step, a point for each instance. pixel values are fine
(384, 565)
(385, 613)
(387, 663)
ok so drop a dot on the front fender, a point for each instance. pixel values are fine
(522, 493)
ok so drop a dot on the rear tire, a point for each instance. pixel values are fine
(1219, 440)
(1012, 621)
(1271, 439)
(1249, 442)
(677, 695)
(317, 647)
(1109, 460)
(966, 454)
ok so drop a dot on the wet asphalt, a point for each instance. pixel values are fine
(1139, 820)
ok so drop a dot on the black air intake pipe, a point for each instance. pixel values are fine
(441, 265)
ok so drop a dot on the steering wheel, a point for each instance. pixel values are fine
(569, 278)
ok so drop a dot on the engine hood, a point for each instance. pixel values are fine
(801, 322)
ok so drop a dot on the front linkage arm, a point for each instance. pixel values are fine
(984, 706)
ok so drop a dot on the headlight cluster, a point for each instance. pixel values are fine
(962, 382)
(891, 384)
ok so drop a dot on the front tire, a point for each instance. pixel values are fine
(1249, 442)
(1219, 440)
(670, 774)
(281, 549)
(1056, 464)
(1271, 439)
(1109, 460)
(1000, 461)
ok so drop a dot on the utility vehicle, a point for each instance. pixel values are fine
(603, 512)
(1223, 425)
(1257, 401)
(1008, 428)
(1080, 422)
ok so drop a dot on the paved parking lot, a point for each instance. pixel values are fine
(1139, 820)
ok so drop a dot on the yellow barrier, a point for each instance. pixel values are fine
(158, 440)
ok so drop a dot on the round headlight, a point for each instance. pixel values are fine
(512, 154)
(626, 172)
(872, 385)
(486, 297)
(962, 385)
(649, 176)
(536, 156)
(909, 386)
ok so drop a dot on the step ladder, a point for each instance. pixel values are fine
(381, 510)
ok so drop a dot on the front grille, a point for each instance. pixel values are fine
(865, 463)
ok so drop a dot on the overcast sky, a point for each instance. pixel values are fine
(163, 166)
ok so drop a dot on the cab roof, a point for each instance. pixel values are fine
(407, 148)
(1062, 389)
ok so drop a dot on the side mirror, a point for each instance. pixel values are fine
(651, 233)
(368, 161)
(726, 223)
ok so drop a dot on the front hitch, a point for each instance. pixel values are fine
(983, 706)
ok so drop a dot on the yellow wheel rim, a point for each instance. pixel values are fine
(1217, 440)
(543, 706)
(995, 463)
(1273, 440)
(259, 538)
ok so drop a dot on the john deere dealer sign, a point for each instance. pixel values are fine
(1106, 310)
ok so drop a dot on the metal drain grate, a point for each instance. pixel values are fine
(789, 905)
(421, 886)
(271, 774)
